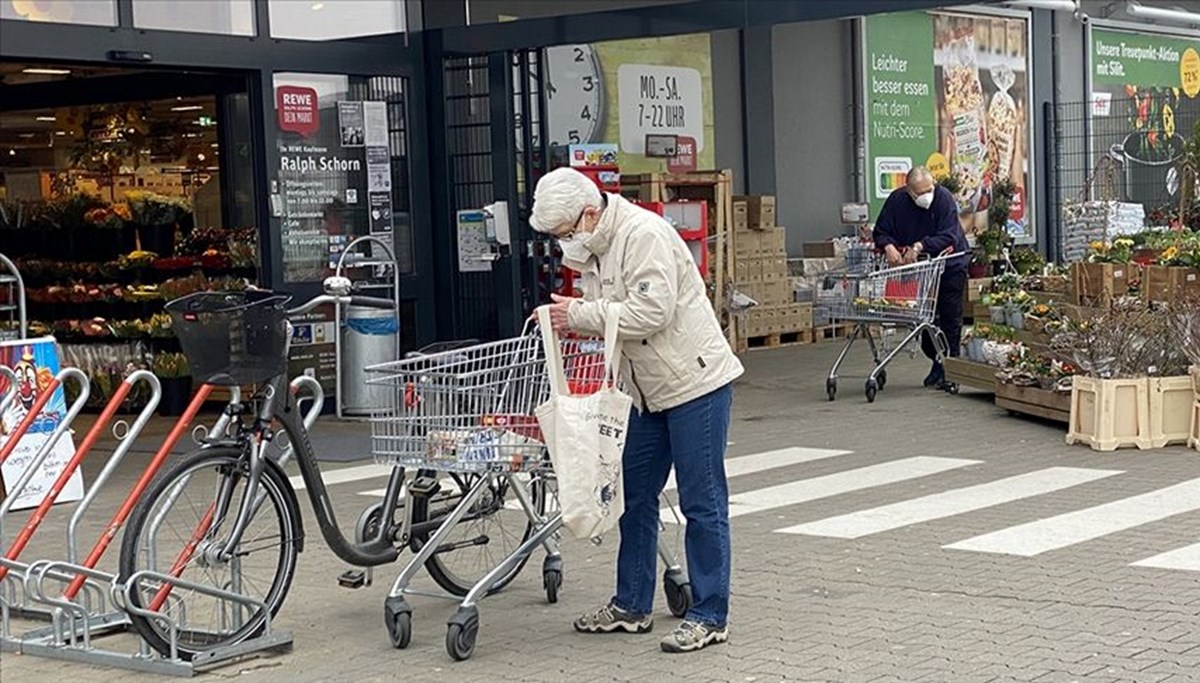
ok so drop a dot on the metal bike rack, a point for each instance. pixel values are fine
(13, 279)
(80, 613)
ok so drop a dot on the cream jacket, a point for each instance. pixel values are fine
(671, 341)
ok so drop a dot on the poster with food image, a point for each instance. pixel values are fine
(1145, 104)
(949, 90)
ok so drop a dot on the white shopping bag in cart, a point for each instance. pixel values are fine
(585, 436)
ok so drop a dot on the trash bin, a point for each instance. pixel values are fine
(369, 337)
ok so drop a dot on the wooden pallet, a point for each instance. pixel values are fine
(1048, 405)
(828, 333)
(779, 340)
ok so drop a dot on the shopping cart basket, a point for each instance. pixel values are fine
(469, 411)
(904, 297)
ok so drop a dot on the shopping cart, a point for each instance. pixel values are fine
(868, 295)
(467, 413)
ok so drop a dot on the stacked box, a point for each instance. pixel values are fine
(759, 212)
(762, 321)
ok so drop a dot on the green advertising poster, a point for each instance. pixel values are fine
(949, 91)
(1145, 103)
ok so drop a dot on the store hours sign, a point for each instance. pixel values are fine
(659, 100)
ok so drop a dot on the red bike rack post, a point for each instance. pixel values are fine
(85, 447)
(139, 488)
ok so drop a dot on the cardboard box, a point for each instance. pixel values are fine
(760, 210)
(741, 217)
(818, 250)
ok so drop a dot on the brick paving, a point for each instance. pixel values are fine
(894, 606)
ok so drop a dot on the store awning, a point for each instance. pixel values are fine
(666, 20)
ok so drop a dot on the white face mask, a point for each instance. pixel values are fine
(925, 200)
(575, 248)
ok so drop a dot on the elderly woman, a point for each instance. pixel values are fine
(679, 370)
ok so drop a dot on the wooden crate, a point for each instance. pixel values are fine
(1171, 402)
(1098, 284)
(1108, 414)
(778, 340)
(827, 333)
(968, 373)
(1166, 284)
(1035, 401)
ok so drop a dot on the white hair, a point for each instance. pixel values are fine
(560, 197)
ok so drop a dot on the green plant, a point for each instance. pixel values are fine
(1027, 261)
(171, 366)
(951, 183)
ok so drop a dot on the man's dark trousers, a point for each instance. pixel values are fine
(949, 313)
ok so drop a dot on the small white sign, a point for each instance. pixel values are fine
(659, 100)
(1101, 103)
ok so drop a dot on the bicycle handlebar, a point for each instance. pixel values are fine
(353, 300)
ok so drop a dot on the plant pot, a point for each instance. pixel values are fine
(977, 271)
(999, 315)
(159, 239)
(1015, 318)
(999, 267)
(176, 394)
(975, 350)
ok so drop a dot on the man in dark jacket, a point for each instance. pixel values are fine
(922, 218)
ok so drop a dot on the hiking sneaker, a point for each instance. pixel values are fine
(611, 619)
(690, 636)
(936, 376)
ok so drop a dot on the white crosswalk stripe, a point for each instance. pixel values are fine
(1091, 523)
(805, 490)
(948, 503)
(1186, 558)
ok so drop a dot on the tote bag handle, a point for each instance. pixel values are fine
(553, 349)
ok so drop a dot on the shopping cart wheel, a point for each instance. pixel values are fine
(881, 377)
(831, 388)
(397, 617)
(872, 389)
(461, 633)
(552, 577)
(678, 591)
(952, 388)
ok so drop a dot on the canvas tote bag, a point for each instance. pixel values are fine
(585, 436)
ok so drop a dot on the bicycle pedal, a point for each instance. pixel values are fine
(354, 578)
(425, 486)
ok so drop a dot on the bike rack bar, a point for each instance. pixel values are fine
(85, 447)
(139, 488)
(11, 393)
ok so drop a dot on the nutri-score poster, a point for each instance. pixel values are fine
(35, 363)
(949, 91)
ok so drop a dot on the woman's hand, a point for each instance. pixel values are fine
(559, 313)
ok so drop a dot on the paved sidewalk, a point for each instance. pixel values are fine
(1040, 586)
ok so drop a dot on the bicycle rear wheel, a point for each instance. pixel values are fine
(493, 529)
(179, 527)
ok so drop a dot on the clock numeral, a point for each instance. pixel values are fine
(578, 54)
(574, 135)
(589, 84)
(586, 114)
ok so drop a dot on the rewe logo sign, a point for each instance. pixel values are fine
(297, 109)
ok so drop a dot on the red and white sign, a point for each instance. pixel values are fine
(1017, 210)
(297, 109)
(684, 160)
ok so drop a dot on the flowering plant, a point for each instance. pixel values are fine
(150, 208)
(1119, 250)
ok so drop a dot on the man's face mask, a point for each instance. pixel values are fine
(924, 200)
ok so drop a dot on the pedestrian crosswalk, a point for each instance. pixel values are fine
(1029, 535)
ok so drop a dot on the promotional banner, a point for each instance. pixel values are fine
(949, 91)
(35, 363)
(1145, 103)
(620, 91)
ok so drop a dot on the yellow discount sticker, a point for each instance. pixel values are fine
(938, 166)
(1189, 72)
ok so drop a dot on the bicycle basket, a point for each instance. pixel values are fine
(232, 338)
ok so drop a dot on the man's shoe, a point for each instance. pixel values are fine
(690, 636)
(613, 619)
(936, 376)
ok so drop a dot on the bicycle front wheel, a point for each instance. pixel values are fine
(179, 528)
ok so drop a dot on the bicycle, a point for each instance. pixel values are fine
(242, 517)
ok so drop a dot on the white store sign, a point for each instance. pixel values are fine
(660, 100)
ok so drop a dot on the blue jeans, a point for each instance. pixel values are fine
(692, 437)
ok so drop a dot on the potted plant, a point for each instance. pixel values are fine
(176, 378)
(156, 218)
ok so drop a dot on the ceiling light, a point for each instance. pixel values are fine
(190, 107)
(1175, 16)
(12, 152)
(60, 132)
(25, 136)
(201, 157)
(47, 119)
(318, 6)
(39, 71)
